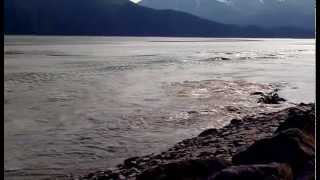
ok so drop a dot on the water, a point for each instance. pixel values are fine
(74, 104)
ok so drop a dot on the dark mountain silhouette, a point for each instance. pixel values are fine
(265, 13)
(120, 17)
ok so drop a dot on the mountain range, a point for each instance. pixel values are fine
(264, 13)
(122, 18)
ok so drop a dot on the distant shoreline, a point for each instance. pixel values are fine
(204, 37)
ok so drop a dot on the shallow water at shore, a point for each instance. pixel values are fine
(79, 103)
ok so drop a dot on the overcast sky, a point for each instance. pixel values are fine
(135, 1)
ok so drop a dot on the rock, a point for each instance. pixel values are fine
(238, 143)
(193, 112)
(121, 177)
(271, 98)
(130, 162)
(206, 154)
(302, 118)
(224, 58)
(290, 146)
(306, 172)
(257, 93)
(235, 121)
(231, 108)
(272, 171)
(198, 157)
(221, 150)
(89, 176)
(208, 132)
(145, 158)
(217, 59)
(206, 142)
(188, 169)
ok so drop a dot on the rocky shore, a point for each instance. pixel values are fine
(278, 145)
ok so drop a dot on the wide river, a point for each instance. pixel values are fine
(75, 104)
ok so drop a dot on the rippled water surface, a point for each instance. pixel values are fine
(74, 104)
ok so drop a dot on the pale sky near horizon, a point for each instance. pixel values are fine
(135, 1)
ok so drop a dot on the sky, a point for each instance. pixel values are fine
(135, 1)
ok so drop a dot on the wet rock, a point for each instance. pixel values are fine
(146, 158)
(290, 146)
(217, 59)
(192, 158)
(272, 171)
(257, 93)
(89, 175)
(238, 143)
(155, 161)
(224, 58)
(235, 121)
(193, 112)
(130, 162)
(231, 108)
(271, 98)
(307, 171)
(206, 142)
(121, 177)
(208, 132)
(133, 171)
(302, 118)
(220, 151)
(206, 154)
(189, 169)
